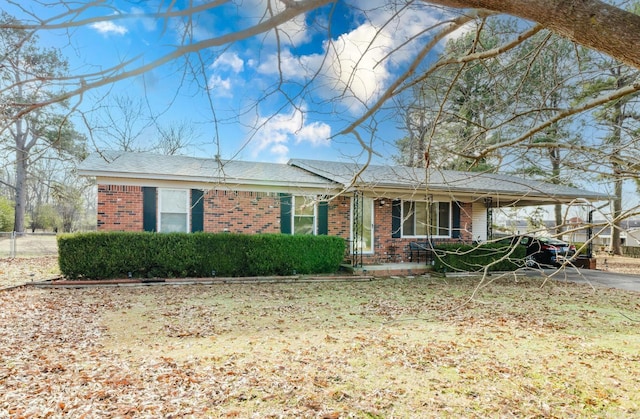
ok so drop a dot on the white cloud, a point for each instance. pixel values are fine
(280, 153)
(358, 65)
(277, 133)
(108, 28)
(292, 67)
(229, 60)
(221, 87)
(292, 32)
(351, 66)
(355, 64)
(316, 134)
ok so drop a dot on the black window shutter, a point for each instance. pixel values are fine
(285, 213)
(396, 219)
(455, 220)
(323, 218)
(197, 210)
(149, 208)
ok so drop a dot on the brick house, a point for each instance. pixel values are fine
(379, 210)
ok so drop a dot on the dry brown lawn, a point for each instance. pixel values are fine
(390, 348)
(18, 271)
(620, 264)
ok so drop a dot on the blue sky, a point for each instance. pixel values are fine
(306, 90)
(258, 101)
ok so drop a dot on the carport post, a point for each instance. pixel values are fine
(590, 234)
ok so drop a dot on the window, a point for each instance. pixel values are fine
(304, 215)
(423, 218)
(173, 210)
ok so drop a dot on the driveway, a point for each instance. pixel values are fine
(593, 277)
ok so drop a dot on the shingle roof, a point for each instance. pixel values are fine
(161, 167)
(329, 176)
(449, 181)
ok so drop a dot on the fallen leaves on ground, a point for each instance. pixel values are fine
(18, 271)
(393, 348)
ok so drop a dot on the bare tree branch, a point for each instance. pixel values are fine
(625, 91)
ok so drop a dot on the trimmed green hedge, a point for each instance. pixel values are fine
(474, 258)
(179, 255)
(631, 251)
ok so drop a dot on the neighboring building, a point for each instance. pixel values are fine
(633, 238)
(629, 233)
(576, 230)
(378, 209)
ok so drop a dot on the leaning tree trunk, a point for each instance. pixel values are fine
(593, 23)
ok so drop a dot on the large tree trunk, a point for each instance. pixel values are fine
(22, 163)
(616, 244)
(554, 157)
(592, 23)
(616, 140)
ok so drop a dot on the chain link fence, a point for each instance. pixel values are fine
(22, 245)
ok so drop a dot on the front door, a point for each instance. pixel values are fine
(362, 225)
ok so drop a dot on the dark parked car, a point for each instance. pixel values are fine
(545, 250)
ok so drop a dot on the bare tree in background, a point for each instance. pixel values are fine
(127, 124)
(594, 24)
(25, 71)
(175, 138)
(123, 122)
(620, 121)
(465, 107)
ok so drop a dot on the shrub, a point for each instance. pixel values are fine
(6, 214)
(149, 255)
(475, 258)
(631, 251)
(582, 251)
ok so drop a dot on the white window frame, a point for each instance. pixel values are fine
(307, 199)
(437, 225)
(187, 206)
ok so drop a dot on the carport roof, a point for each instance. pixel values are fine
(503, 189)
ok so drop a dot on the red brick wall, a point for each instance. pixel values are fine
(241, 212)
(119, 208)
(259, 212)
(339, 213)
(389, 249)
(466, 222)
